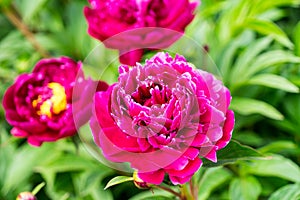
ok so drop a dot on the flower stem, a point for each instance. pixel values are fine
(193, 189)
(13, 17)
(171, 191)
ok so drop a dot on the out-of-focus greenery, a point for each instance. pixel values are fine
(254, 43)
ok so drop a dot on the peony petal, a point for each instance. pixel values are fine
(209, 153)
(18, 132)
(180, 180)
(132, 57)
(153, 177)
(188, 170)
(227, 130)
(34, 142)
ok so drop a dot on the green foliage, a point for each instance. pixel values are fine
(274, 166)
(288, 192)
(233, 152)
(211, 179)
(247, 106)
(245, 188)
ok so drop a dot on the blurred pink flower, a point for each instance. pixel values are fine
(26, 196)
(108, 18)
(39, 105)
(161, 117)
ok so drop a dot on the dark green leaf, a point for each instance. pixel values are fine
(232, 153)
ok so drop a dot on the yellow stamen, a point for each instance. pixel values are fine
(59, 97)
(45, 109)
(56, 104)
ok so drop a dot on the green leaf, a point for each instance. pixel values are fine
(24, 162)
(5, 3)
(278, 146)
(265, 5)
(225, 61)
(288, 192)
(271, 29)
(7, 154)
(245, 188)
(297, 39)
(30, 8)
(287, 126)
(211, 179)
(88, 183)
(233, 152)
(269, 59)
(274, 81)
(248, 55)
(67, 163)
(117, 180)
(152, 195)
(277, 166)
(292, 107)
(274, 14)
(38, 188)
(101, 194)
(249, 138)
(247, 106)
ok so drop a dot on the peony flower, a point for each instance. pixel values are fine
(39, 105)
(108, 18)
(162, 117)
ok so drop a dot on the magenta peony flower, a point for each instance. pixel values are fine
(162, 117)
(107, 18)
(39, 105)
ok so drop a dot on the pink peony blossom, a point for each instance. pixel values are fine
(39, 105)
(107, 18)
(162, 117)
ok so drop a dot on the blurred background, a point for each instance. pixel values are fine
(254, 43)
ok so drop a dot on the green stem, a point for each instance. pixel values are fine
(170, 191)
(14, 18)
(194, 190)
(38, 188)
(187, 193)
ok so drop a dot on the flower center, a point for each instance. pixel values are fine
(150, 94)
(54, 105)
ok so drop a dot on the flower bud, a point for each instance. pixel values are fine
(139, 183)
(26, 196)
